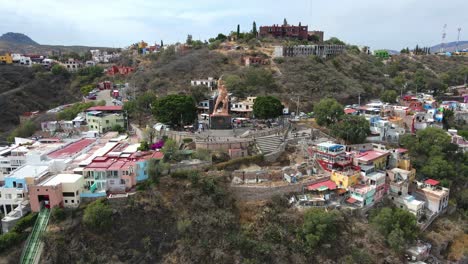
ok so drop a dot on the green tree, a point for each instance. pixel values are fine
(321, 227)
(353, 129)
(57, 214)
(97, 215)
(189, 40)
(162, 43)
(144, 146)
(86, 89)
(266, 107)
(254, 29)
(58, 69)
(334, 41)
(396, 240)
(314, 38)
(389, 96)
(175, 109)
(169, 149)
(238, 32)
(24, 130)
(398, 226)
(328, 111)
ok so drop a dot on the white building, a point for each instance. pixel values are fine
(16, 185)
(210, 82)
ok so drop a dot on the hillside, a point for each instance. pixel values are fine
(23, 89)
(198, 221)
(20, 43)
(17, 38)
(344, 77)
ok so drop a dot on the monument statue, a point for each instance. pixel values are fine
(223, 98)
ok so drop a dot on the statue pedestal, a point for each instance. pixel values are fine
(220, 121)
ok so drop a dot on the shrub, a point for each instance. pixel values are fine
(9, 239)
(97, 215)
(25, 222)
(57, 214)
(187, 140)
(184, 174)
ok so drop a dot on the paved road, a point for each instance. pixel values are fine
(104, 95)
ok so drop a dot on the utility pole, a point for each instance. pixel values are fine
(458, 37)
(359, 99)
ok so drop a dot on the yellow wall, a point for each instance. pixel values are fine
(104, 123)
(380, 162)
(6, 59)
(344, 181)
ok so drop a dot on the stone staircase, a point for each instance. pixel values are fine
(269, 144)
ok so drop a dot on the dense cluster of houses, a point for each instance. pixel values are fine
(413, 113)
(52, 172)
(361, 176)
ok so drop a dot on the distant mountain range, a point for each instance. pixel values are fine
(20, 43)
(451, 46)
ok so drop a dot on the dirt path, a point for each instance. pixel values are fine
(257, 193)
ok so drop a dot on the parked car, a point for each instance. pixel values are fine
(91, 97)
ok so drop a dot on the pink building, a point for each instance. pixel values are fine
(62, 190)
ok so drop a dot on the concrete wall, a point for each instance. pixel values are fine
(54, 193)
(223, 145)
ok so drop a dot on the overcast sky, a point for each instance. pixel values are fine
(389, 24)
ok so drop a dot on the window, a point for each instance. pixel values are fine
(72, 201)
(68, 194)
(107, 121)
(66, 201)
(19, 195)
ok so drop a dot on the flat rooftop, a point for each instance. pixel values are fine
(29, 171)
(71, 149)
(61, 178)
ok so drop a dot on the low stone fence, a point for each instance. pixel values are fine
(223, 145)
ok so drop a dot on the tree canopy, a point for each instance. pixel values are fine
(389, 96)
(321, 226)
(267, 107)
(398, 226)
(353, 129)
(328, 111)
(175, 109)
(97, 215)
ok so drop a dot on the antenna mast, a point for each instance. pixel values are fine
(442, 44)
(458, 37)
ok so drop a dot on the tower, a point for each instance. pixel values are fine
(442, 44)
(458, 37)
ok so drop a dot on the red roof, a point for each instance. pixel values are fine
(371, 155)
(329, 184)
(351, 200)
(349, 111)
(402, 150)
(157, 155)
(432, 182)
(105, 108)
(71, 149)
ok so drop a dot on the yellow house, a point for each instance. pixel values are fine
(6, 59)
(104, 118)
(142, 45)
(345, 179)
